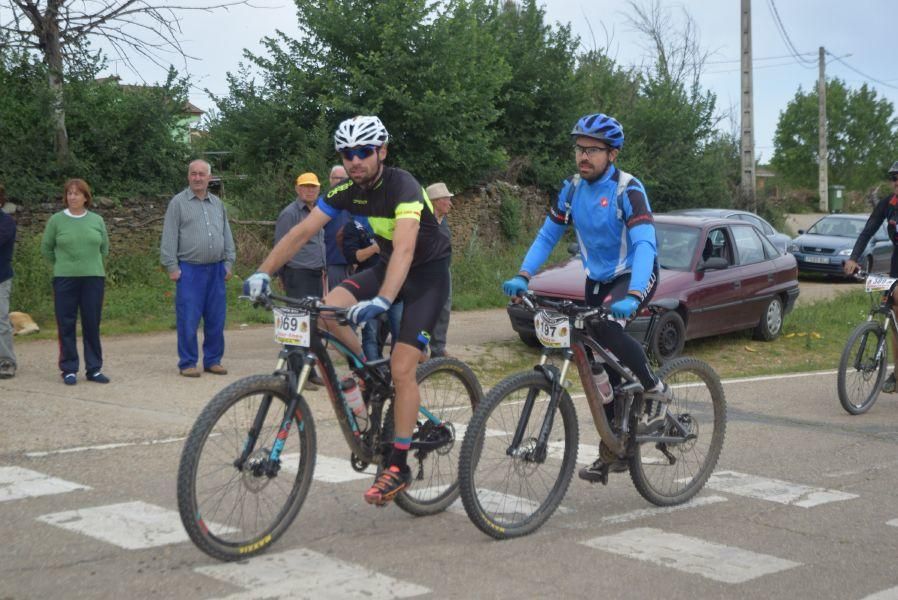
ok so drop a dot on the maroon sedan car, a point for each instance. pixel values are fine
(724, 275)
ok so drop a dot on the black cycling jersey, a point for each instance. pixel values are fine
(885, 210)
(396, 195)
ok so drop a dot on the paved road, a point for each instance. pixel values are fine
(802, 504)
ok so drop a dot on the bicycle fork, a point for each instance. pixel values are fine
(270, 465)
(537, 453)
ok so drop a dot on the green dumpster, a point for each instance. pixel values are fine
(836, 198)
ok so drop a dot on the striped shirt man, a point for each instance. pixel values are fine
(196, 231)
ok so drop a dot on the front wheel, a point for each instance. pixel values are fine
(449, 394)
(507, 490)
(862, 367)
(232, 512)
(671, 473)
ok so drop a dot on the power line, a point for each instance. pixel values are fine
(783, 34)
(864, 75)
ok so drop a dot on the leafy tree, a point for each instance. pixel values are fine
(862, 132)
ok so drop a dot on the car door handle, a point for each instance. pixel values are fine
(737, 285)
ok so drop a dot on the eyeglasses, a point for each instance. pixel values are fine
(893, 176)
(590, 151)
(362, 152)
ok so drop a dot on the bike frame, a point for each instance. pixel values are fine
(630, 389)
(295, 363)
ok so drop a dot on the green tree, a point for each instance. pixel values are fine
(862, 132)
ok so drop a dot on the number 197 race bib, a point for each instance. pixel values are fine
(552, 329)
(291, 326)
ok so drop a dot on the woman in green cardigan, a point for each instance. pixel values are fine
(75, 241)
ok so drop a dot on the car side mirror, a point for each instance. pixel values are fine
(573, 248)
(715, 263)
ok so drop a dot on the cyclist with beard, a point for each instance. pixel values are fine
(413, 268)
(610, 213)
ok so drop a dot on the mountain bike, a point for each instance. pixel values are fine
(865, 359)
(247, 464)
(520, 447)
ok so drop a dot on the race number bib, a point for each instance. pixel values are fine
(877, 283)
(291, 326)
(552, 329)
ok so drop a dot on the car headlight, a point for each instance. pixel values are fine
(792, 248)
(845, 252)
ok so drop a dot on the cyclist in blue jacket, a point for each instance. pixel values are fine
(611, 216)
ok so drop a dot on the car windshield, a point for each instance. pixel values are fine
(676, 245)
(837, 226)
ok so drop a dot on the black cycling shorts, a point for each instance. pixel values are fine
(606, 293)
(423, 295)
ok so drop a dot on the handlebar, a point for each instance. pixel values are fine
(565, 307)
(311, 304)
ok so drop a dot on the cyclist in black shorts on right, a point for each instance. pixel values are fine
(885, 210)
(413, 268)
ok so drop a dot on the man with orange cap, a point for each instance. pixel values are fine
(302, 275)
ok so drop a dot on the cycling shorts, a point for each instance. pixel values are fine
(598, 293)
(423, 295)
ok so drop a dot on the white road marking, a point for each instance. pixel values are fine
(774, 490)
(302, 573)
(327, 468)
(722, 563)
(106, 447)
(663, 510)
(502, 503)
(889, 594)
(893, 522)
(130, 525)
(17, 483)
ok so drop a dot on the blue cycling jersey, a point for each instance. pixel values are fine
(615, 237)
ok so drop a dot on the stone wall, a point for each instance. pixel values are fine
(135, 226)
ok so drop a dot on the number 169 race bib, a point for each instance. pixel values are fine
(291, 326)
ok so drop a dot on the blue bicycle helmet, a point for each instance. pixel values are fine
(600, 127)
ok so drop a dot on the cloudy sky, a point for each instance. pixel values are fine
(860, 34)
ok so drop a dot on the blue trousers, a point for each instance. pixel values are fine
(200, 294)
(72, 295)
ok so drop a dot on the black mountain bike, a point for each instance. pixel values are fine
(520, 448)
(865, 359)
(248, 461)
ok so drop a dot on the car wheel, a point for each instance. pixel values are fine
(771, 324)
(668, 338)
(529, 339)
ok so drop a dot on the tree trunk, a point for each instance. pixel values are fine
(53, 55)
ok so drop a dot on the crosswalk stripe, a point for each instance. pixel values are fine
(889, 594)
(17, 483)
(502, 503)
(130, 525)
(722, 563)
(327, 468)
(303, 573)
(774, 490)
(660, 510)
(893, 522)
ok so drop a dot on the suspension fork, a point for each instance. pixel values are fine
(295, 384)
(556, 377)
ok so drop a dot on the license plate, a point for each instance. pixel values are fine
(552, 329)
(820, 260)
(291, 326)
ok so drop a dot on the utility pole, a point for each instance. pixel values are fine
(822, 152)
(748, 137)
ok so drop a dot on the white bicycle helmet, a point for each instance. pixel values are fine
(360, 131)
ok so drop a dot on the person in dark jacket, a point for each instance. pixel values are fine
(7, 239)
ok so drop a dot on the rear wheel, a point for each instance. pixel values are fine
(449, 392)
(771, 324)
(671, 473)
(511, 491)
(862, 367)
(232, 512)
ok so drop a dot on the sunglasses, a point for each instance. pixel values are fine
(590, 151)
(893, 177)
(362, 152)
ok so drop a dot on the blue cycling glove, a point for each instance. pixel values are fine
(367, 310)
(516, 286)
(624, 308)
(257, 285)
